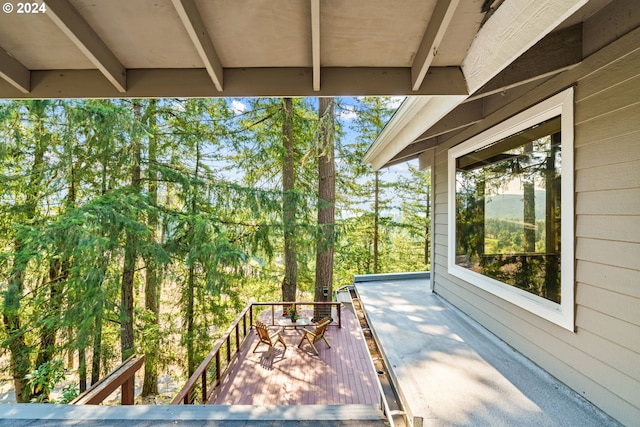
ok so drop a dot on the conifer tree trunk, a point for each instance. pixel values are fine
(191, 280)
(326, 208)
(189, 319)
(19, 361)
(290, 281)
(97, 336)
(82, 369)
(48, 331)
(58, 275)
(152, 285)
(130, 254)
(99, 307)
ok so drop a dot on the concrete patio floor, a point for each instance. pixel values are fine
(450, 371)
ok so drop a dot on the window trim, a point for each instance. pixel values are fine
(562, 314)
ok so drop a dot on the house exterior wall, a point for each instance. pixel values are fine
(601, 359)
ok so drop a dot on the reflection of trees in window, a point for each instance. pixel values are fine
(508, 210)
(470, 227)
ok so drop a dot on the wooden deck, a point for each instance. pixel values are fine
(340, 375)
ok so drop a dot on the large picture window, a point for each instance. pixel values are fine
(512, 229)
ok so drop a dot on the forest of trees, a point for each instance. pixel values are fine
(130, 226)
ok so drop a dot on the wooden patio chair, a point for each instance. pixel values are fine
(316, 335)
(266, 337)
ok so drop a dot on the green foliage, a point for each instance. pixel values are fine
(69, 392)
(43, 379)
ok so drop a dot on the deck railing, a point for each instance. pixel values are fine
(200, 387)
(122, 376)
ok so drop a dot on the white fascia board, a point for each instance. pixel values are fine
(409, 122)
(514, 28)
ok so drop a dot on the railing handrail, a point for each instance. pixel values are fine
(200, 373)
(201, 369)
(121, 376)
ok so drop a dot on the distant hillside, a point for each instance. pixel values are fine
(510, 206)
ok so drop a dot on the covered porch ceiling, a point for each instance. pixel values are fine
(222, 48)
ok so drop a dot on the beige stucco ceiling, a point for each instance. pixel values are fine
(145, 48)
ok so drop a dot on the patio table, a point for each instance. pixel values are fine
(288, 323)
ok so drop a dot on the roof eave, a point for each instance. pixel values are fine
(523, 22)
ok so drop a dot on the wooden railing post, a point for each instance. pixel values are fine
(238, 337)
(204, 387)
(217, 366)
(126, 392)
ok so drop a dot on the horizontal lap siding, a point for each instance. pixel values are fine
(607, 185)
(623, 229)
(601, 360)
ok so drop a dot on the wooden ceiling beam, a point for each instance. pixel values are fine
(14, 72)
(240, 82)
(428, 49)
(193, 23)
(315, 42)
(73, 25)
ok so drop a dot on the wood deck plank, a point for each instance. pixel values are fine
(341, 374)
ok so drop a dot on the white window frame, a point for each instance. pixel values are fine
(561, 314)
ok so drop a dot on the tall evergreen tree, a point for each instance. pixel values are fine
(152, 274)
(130, 250)
(290, 281)
(27, 213)
(260, 155)
(415, 222)
(326, 206)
